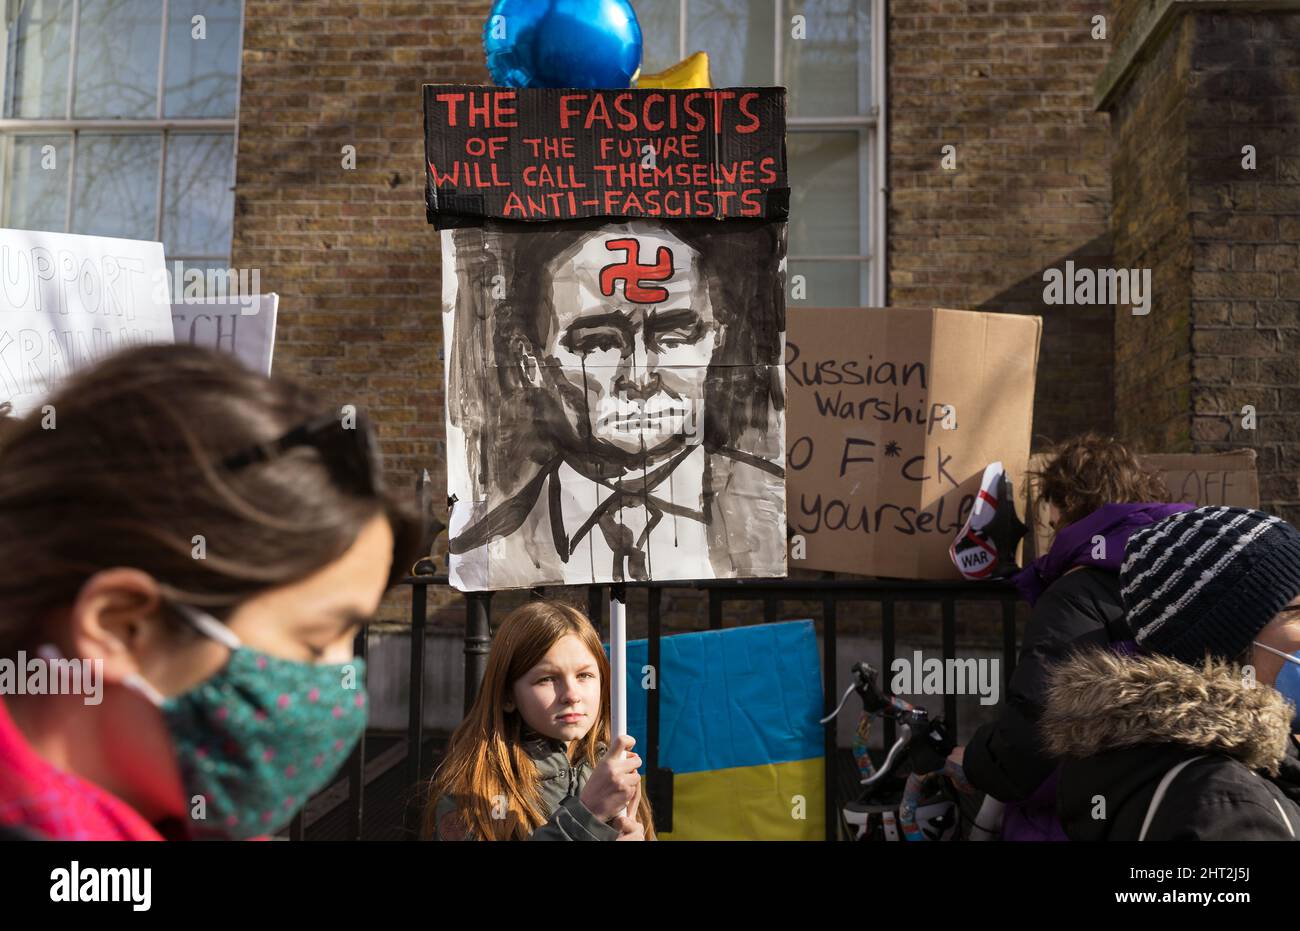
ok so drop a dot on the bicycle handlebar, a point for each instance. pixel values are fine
(928, 739)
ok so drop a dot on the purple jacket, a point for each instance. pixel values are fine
(1075, 546)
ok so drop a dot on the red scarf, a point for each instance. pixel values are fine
(38, 797)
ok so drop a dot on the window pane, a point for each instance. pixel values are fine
(37, 46)
(116, 189)
(740, 37)
(118, 43)
(825, 197)
(202, 73)
(194, 280)
(198, 204)
(36, 185)
(828, 72)
(825, 284)
(659, 21)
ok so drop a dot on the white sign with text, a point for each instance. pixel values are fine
(245, 328)
(67, 301)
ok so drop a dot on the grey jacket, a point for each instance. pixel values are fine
(560, 784)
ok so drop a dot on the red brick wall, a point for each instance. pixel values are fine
(349, 251)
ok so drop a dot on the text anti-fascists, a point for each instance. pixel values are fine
(570, 153)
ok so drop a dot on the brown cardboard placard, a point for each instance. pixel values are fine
(893, 414)
(1209, 478)
(1204, 479)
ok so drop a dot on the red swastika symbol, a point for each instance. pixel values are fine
(632, 274)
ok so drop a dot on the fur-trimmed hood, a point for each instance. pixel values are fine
(1099, 700)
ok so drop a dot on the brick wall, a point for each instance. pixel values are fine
(1221, 240)
(1009, 83)
(1153, 361)
(1244, 89)
(356, 265)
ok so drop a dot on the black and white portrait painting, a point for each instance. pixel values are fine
(615, 401)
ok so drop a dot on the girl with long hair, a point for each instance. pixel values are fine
(533, 759)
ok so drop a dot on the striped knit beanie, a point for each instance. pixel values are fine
(1208, 580)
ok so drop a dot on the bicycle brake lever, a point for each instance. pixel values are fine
(904, 735)
(840, 706)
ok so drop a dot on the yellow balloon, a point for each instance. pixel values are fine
(689, 72)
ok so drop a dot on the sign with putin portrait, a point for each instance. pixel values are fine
(614, 331)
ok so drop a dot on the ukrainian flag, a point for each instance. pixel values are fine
(738, 713)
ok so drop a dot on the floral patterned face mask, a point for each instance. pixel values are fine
(258, 739)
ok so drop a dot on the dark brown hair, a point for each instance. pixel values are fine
(7, 418)
(124, 468)
(1088, 471)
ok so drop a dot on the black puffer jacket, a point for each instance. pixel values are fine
(1080, 610)
(1122, 722)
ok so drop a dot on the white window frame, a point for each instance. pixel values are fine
(158, 125)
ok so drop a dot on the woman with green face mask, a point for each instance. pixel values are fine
(187, 550)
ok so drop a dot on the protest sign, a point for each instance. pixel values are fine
(244, 328)
(894, 413)
(1203, 479)
(67, 301)
(615, 407)
(559, 154)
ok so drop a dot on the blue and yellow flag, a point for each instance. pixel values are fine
(738, 712)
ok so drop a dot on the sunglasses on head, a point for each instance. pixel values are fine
(347, 448)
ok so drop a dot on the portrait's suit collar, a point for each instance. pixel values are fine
(673, 489)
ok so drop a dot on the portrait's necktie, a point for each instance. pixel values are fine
(618, 535)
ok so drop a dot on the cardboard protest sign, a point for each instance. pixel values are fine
(67, 301)
(894, 414)
(244, 328)
(1209, 478)
(615, 400)
(1203, 479)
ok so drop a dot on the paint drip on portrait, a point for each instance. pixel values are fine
(615, 401)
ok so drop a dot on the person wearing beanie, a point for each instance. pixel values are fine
(1194, 736)
(1098, 494)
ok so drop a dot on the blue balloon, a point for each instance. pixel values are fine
(562, 43)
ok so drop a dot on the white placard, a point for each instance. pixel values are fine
(67, 301)
(244, 326)
(615, 403)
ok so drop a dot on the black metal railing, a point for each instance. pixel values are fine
(771, 593)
